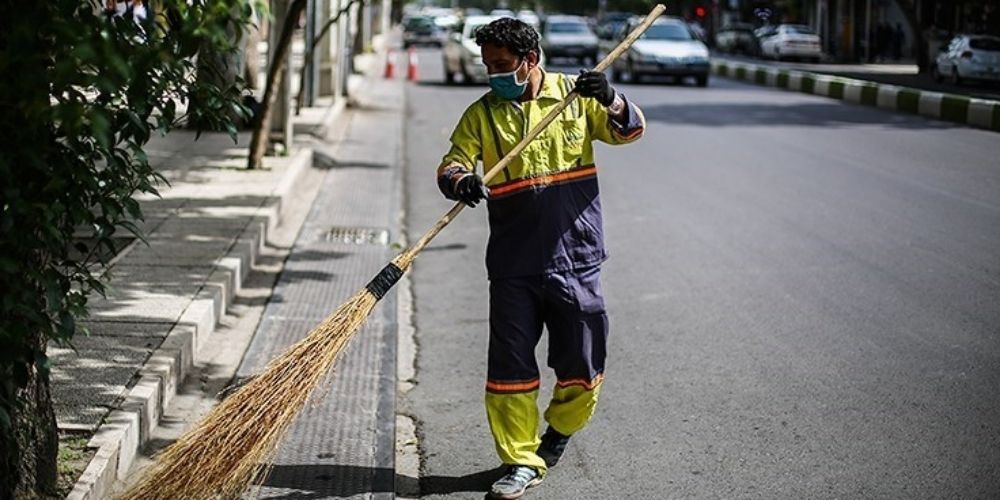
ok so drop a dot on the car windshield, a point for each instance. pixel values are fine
(667, 32)
(419, 22)
(575, 28)
(798, 29)
(987, 44)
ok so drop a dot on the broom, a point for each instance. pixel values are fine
(230, 449)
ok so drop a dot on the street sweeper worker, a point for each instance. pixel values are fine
(546, 241)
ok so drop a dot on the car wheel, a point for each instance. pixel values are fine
(956, 79)
(701, 80)
(633, 77)
(936, 73)
(616, 76)
(466, 76)
(449, 77)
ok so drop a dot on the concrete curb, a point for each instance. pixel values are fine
(123, 433)
(979, 113)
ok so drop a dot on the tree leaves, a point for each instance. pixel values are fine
(81, 95)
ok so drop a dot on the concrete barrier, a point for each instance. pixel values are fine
(979, 113)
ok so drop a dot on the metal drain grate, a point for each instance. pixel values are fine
(358, 235)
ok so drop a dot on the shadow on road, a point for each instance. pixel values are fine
(476, 482)
(326, 481)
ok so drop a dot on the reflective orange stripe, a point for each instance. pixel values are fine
(635, 133)
(587, 384)
(544, 179)
(521, 386)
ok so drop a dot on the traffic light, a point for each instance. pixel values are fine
(699, 11)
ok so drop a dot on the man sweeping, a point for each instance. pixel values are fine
(546, 242)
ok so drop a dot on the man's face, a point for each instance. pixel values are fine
(501, 60)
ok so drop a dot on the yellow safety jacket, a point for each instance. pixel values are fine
(544, 208)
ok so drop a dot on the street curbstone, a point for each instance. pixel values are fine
(979, 113)
(821, 86)
(869, 94)
(98, 478)
(782, 80)
(808, 84)
(955, 108)
(852, 92)
(795, 81)
(772, 77)
(887, 97)
(760, 76)
(930, 104)
(908, 100)
(837, 89)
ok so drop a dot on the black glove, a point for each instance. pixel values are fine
(595, 84)
(471, 190)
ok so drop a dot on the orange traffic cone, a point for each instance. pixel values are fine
(411, 66)
(390, 66)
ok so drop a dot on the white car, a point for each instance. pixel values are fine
(969, 57)
(668, 48)
(461, 54)
(529, 18)
(790, 40)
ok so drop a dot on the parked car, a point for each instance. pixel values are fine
(969, 57)
(530, 18)
(737, 38)
(421, 30)
(502, 13)
(569, 37)
(668, 48)
(461, 54)
(609, 25)
(790, 40)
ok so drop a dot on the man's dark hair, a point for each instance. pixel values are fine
(512, 34)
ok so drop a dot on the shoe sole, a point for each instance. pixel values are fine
(531, 484)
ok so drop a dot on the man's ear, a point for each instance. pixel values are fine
(533, 59)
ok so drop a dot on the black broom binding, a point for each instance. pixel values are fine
(386, 278)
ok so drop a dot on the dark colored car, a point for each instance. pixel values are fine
(737, 38)
(421, 30)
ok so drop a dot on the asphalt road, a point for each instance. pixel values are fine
(804, 297)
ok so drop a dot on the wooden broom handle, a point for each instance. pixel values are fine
(406, 257)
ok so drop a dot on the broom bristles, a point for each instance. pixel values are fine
(230, 448)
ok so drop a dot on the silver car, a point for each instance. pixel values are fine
(569, 37)
(461, 54)
(668, 48)
(969, 57)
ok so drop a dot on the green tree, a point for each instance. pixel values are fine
(81, 94)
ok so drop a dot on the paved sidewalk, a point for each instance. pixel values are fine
(166, 298)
